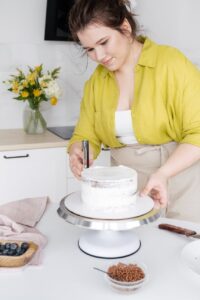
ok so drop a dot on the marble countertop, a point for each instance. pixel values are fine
(17, 139)
(67, 273)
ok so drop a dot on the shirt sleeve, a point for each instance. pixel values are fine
(85, 127)
(191, 106)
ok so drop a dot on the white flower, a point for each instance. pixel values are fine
(52, 89)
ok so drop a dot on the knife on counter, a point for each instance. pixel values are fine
(180, 230)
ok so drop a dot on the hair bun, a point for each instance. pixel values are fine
(125, 3)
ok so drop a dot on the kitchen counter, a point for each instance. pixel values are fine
(67, 273)
(17, 139)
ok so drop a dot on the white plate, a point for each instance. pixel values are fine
(191, 256)
(141, 206)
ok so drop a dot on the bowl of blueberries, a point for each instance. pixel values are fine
(16, 253)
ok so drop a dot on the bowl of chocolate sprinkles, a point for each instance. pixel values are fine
(126, 277)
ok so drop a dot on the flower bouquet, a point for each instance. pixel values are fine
(33, 88)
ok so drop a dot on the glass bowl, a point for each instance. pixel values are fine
(128, 286)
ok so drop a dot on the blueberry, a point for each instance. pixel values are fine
(13, 249)
(25, 246)
(13, 246)
(20, 251)
(7, 245)
(5, 251)
(11, 252)
(2, 247)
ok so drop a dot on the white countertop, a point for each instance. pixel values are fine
(17, 139)
(67, 273)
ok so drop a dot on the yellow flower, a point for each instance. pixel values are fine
(32, 82)
(15, 85)
(15, 91)
(25, 94)
(53, 100)
(31, 77)
(35, 86)
(38, 68)
(37, 92)
(25, 83)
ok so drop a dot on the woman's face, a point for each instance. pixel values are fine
(106, 46)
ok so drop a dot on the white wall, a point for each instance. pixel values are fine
(172, 22)
(22, 43)
(22, 22)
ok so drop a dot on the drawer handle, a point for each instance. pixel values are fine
(18, 156)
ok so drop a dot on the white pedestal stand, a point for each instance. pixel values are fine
(109, 244)
(107, 238)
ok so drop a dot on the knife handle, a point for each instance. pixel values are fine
(177, 229)
(85, 147)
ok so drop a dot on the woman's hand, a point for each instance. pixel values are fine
(184, 156)
(76, 159)
(156, 188)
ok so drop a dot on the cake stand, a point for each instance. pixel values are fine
(109, 233)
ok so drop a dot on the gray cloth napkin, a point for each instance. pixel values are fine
(17, 221)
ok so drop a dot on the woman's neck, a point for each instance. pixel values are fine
(132, 58)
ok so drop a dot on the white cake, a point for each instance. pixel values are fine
(108, 187)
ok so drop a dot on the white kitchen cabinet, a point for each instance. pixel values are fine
(73, 184)
(36, 165)
(33, 173)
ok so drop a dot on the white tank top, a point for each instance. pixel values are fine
(123, 127)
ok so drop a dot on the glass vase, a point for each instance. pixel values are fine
(33, 121)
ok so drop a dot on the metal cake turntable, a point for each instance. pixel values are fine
(110, 233)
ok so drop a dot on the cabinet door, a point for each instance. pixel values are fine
(33, 173)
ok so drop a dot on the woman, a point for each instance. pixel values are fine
(142, 101)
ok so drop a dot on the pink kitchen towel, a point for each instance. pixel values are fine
(18, 220)
(26, 211)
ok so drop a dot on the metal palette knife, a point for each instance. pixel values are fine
(85, 148)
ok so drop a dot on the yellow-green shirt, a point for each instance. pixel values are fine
(166, 104)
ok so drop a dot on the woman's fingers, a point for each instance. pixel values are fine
(76, 162)
(159, 198)
(76, 166)
(76, 159)
(156, 187)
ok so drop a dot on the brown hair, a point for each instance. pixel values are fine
(110, 13)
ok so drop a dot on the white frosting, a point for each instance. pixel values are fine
(108, 187)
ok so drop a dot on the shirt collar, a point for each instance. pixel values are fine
(147, 57)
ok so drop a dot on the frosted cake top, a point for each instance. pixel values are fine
(118, 173)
